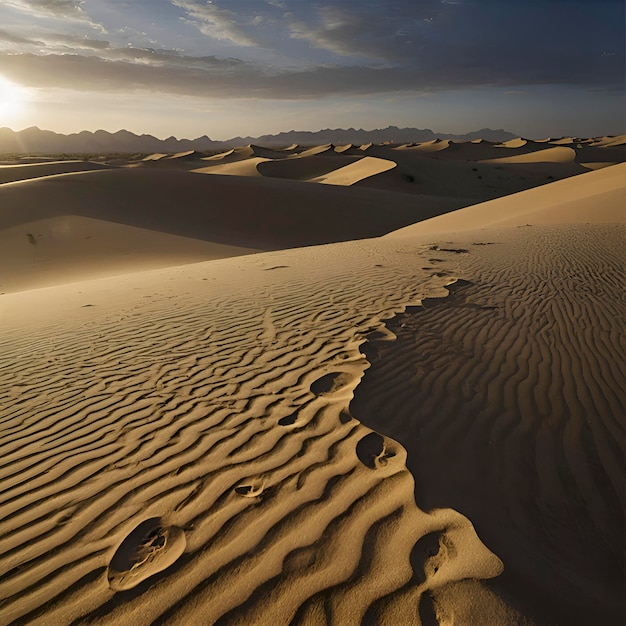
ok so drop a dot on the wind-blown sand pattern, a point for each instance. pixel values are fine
(236, 433)
(421, 428)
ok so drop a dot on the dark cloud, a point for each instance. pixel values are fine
(159, 71)
(368, 29)
(397, 46)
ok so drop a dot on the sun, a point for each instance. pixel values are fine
(13, 100)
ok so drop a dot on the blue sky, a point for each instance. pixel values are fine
(249, 67)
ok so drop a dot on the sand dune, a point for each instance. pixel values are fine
(611, 142)
(420, 173)
(157, 156)
(549, 155)
(316, 150)
(428, 146)
(337, 434)
(189, 154)
(235, 212)
(306, 168)
(271, 153)
(516, 380)
(287, 504)
(518, 142)
(563, 202)
(518, 164)
(13, 173)
(230, 156)
(246, 167)
(67, 248)
(355, 172)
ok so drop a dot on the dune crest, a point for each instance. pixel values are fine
(355, 172)
(547, 155)
(563, 202)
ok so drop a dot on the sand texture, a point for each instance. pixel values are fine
(423, 425)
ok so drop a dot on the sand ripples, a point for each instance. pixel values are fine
(517, 381)
(191, 453)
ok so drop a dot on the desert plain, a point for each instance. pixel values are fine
(377, 384)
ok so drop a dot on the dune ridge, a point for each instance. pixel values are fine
(14, 173)
(562, 202)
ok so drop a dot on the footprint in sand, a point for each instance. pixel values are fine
(149, 549)
(332, 383)
(250, 490)
(374, 451)
(288, 420)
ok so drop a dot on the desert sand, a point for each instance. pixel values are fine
(345, 405)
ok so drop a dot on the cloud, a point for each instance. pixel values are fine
(11, 38)
(369, 30)
(75, 41)
(133, 69)
(214, 22)
(391, 48)
(61, 9)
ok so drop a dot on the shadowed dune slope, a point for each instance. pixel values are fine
(240, 211)
(508, 396)
(303, 168)
(419, 173)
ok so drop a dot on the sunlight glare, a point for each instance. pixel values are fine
(13, 100)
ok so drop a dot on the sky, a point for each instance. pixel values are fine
(227, 68)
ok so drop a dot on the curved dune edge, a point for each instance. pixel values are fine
(516, 380)
(15, 173)
(518, 142)
(305, 168)
(217, 402)
(561, 202)
(355, 172)
(247, 167)
(548, 155)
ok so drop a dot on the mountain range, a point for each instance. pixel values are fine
(36, 141)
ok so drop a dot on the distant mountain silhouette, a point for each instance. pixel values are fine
(36, 141)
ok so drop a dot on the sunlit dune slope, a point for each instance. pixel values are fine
(356, 172)
(598, 197)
